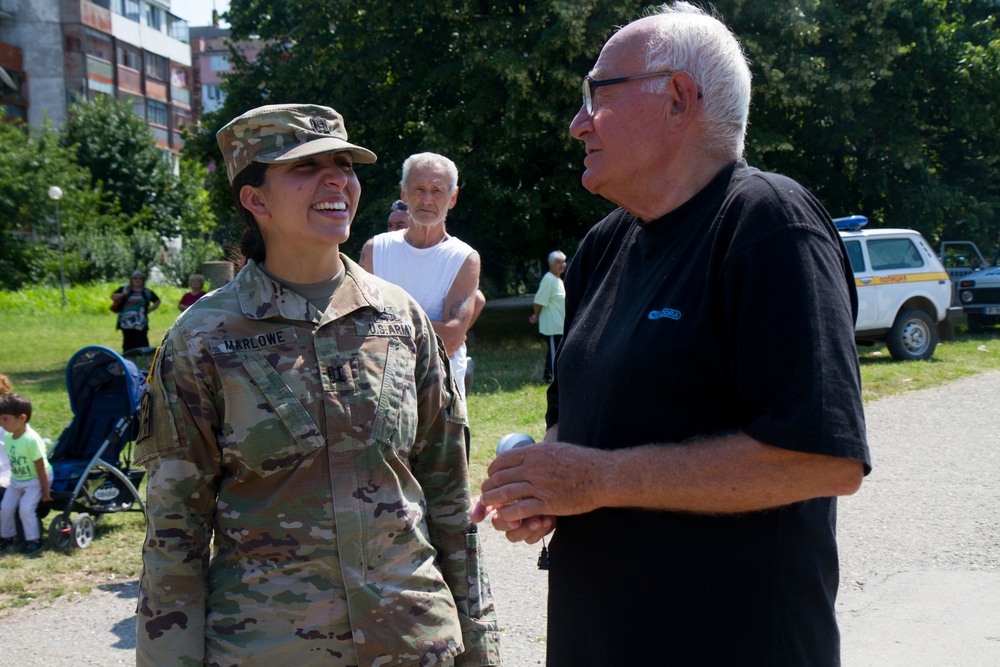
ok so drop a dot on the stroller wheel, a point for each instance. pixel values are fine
(83, 531)
(59, 532)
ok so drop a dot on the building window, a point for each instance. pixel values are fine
(178, 29)
(156, 67)
(97, 45)
(157, 112)
(14, 112)
(182, 118)
(154, 17)
(219, 63)
(212, 97)
(178, 77)
(17, 93)
(128, 56)
(127, 8)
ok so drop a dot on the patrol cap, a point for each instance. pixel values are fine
(283, 133)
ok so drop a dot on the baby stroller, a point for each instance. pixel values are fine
(91, 465)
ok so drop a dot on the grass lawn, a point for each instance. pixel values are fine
(38, 336)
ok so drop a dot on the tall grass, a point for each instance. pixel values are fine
(38, 336)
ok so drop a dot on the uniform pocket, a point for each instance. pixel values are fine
(394, 421)
(273, 439)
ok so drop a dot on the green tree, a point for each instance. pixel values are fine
(890, 108)
(117, 147)
(29, 166)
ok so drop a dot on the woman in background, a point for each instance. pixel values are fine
(197, 284)
(133, 303)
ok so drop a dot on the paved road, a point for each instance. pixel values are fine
(920, 555)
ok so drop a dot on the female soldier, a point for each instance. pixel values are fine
(308, 496)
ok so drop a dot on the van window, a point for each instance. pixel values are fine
(854, 253)
(893, 254)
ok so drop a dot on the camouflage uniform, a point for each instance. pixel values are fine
(320, 456)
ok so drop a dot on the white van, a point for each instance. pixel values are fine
(903, 289)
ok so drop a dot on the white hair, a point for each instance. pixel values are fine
(689, 39)
(430, 160)
(556, 254)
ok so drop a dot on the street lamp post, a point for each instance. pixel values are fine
(56, 193)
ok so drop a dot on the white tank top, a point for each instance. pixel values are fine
(426, 274)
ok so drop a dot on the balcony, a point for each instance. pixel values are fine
(180, 95)
(100, 75)
(160, 135)
(178, 29)
(156, 90)
(100, 69)
(129, 79)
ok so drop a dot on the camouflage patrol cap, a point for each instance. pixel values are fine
(283, 133)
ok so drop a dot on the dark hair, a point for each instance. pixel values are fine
(398, 205)
(251, 242)
(15, 404)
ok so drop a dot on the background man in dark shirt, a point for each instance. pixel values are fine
(707, 406)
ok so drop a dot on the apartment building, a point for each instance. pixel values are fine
(211, 61)
(55, 52)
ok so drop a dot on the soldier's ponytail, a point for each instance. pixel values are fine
(251, 241)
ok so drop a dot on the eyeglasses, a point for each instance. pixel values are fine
(589, 84)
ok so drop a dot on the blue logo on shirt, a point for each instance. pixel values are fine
(666, 312)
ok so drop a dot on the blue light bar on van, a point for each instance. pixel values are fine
(851, 223)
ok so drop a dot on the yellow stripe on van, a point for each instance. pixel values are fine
(903, 278)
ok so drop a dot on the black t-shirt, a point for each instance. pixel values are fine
(732, 313)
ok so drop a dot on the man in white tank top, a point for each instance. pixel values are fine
(435, 268)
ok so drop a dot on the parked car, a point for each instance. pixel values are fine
(977, 283)
(903, 290)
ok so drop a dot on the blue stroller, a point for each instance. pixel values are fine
(91, 465)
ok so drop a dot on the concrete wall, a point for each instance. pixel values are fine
(36, 30)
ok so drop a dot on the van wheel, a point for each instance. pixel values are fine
(913, 336)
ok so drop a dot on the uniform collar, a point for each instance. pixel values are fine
(261, 297)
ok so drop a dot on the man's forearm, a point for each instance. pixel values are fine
(728, 474)
(452, 332)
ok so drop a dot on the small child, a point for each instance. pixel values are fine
(30, 473)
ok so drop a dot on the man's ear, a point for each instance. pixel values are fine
(252, 201)
(454, 199)
(683, 99)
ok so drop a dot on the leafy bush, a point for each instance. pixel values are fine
(21, 262)
(147, 249)
(179, 266)
(99, 256)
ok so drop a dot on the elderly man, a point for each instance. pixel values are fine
(437, 269)
(706, 409)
